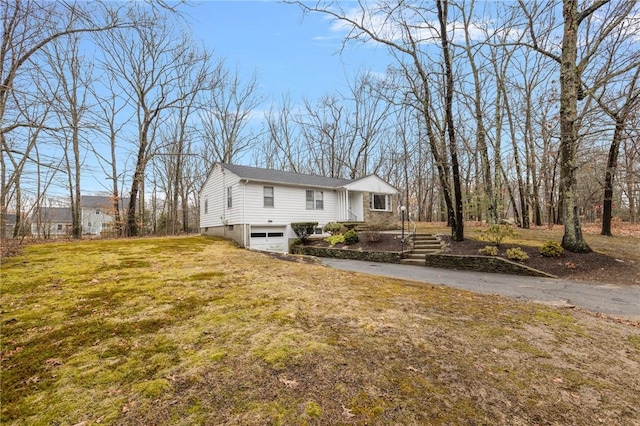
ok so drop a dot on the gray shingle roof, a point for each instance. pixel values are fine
(55, 214)
(102, 202)
(277, 176)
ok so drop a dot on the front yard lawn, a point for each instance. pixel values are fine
(192, 330)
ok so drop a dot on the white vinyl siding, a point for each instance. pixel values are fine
(289, 206)
(214, 198)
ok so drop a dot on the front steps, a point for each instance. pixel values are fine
(423, 244)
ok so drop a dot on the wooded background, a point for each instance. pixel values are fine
(520, 110)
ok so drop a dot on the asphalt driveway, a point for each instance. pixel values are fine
(620, 301)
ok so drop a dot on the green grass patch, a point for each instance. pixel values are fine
(194, 330)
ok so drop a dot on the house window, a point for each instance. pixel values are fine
(315, 200)
(268, 196)
(97, 211)
(206, 205)
(59, 227)
(89, 224)
(380, 202)
(229, 197)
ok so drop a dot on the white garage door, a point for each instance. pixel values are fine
(269, 238)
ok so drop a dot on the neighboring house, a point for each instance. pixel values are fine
(256, 207)
(97, 217)
(10, 225)
(51, 221)
(98, 213)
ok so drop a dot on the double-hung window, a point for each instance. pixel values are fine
(267, 192)
(315, 200)
(380, 202)
(229, 197)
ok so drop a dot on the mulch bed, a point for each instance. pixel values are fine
(572, 266)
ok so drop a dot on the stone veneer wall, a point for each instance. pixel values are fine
(482, 264)
(387, 220)
(341, 253)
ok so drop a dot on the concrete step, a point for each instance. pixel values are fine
(414, 255)
(423, 237)
(426, 250)
(416, 262)
(425, 244)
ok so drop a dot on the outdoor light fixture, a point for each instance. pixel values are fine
(402, 210)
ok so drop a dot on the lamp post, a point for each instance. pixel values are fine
(402, 210)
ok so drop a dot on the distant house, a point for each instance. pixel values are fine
(256, 206)
(97, 217)
(98, 213)
(51, 221)
(10, 225)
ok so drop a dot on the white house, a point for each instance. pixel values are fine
(97, 217)
(256, 207)
(98, 213)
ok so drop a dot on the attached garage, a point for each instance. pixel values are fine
(269, 238)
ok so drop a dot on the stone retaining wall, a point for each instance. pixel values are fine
(482, 264)
(340, 253)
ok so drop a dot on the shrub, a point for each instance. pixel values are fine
(551, 249)
(332, 228)
(495, 234)
(351, 237)
(304, 229)
(373, 233)
(516, 253)
(335, 239)
(489, 251)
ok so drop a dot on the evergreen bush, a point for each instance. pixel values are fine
(304, 229)
(551, 249)
(332, 228)
(351, 237)
(517, 253)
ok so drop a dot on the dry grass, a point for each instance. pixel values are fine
(192, 330)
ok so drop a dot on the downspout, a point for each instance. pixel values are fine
(244, 223)
(224, 205)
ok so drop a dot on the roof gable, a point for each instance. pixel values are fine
(371, 183)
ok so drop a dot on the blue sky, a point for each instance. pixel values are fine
(290, 53)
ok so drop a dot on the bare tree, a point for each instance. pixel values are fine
(620, 114)
(111, 116)
(148, 63)
(226, 121)
(74, 76)
(282, 146)
(409, 31)
(28, 27)
(325, 133)
(573, 60)
(177, 140)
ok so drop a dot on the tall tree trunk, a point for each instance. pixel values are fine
(573, 239)
(612, 162)
(457, 228)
